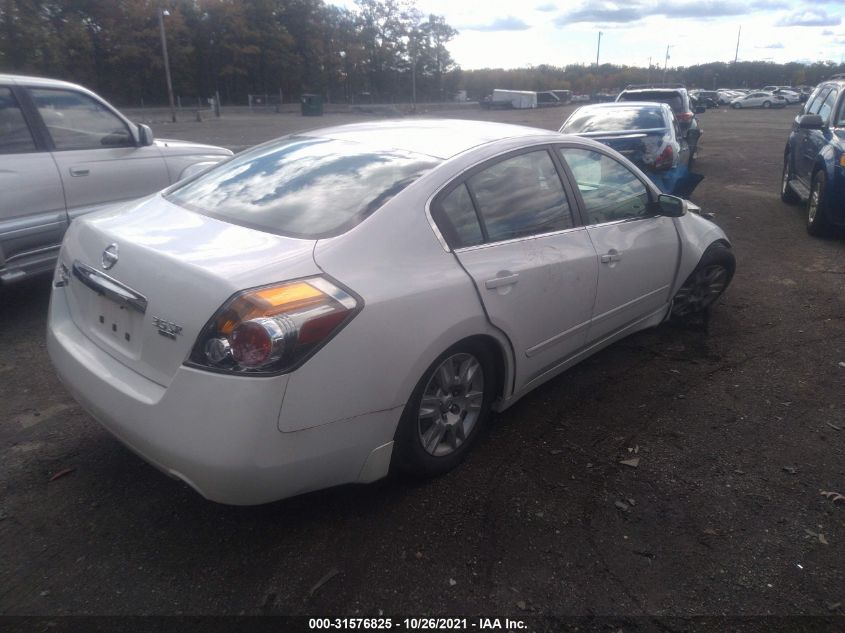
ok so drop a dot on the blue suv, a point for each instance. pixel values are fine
(814, 159)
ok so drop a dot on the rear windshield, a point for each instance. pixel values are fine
(616, 119)
(675, 101)
(303, 187)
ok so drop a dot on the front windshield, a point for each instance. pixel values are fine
(615, 119)
(305, 187)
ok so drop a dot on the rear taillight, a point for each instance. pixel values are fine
(274, 329)
(684, 117)
(666, 158)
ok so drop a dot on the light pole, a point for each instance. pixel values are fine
(666, 62)
(161, 15)
(598, 50)
(344, 76)
(414, 71)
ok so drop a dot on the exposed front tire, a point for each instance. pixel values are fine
(817, 222)
(706, 283)
(767, 105)
(448, 409)
(787, 194)
(736, 106)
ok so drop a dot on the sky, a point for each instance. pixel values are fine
(518, 33)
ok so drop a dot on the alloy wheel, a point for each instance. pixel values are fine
(451, 404)
(701, 290)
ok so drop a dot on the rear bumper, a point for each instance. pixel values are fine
(218, 433)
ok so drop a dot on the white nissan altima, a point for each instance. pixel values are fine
(331, 304)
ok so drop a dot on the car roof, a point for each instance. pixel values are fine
(441, 138)
(626, 104)
(45, 82)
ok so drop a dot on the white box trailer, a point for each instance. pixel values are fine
(519, 99)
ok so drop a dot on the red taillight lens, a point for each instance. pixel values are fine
(685, 117)
(274, 329)
(251, 344)
(666, 158)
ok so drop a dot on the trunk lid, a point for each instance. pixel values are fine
(181, 265)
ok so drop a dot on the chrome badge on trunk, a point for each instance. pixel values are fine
(167, 328)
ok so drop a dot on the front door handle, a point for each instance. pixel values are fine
(75, 171)
(498, 282)
(612, 256)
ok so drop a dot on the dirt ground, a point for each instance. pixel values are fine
(738, 423)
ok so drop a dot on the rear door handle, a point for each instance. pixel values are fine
(610, 257)
(498, 282)
(74, 171)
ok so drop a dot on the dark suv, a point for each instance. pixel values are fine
(814, 158)
(678, 99)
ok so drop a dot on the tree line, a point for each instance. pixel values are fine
(378, 50)
(375, 50)
(609, 78)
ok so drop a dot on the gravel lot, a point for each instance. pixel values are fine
(738, 422)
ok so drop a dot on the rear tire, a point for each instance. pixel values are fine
(706, 283)
(767, 105)
(817, 222)
(787, 193)
(448, 410)
(736, 106)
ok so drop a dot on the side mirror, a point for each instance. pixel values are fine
(671, 206)
(145, 135)
(810, 122)
(700, 109)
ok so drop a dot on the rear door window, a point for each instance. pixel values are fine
(521, 196)
(15, 137)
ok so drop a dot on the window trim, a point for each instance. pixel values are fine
(37, 146)
(835, 92)
(649, 187)
(46, 130)
(434, 209)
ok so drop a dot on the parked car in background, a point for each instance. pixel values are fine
(759, 100)
(706, 98)
(791, 96)
(677, 97)
(814, 159)
(305, 353)
(645, 133)
(65, 152)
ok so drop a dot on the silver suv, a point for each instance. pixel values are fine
(64, 152)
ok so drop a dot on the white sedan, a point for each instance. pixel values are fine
(331, 304)
(759, 100)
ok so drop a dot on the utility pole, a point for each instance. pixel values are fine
(414, 71)
(598, 50)
(736, 55)
(161, 14)
(648, 81)
(666, 62)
